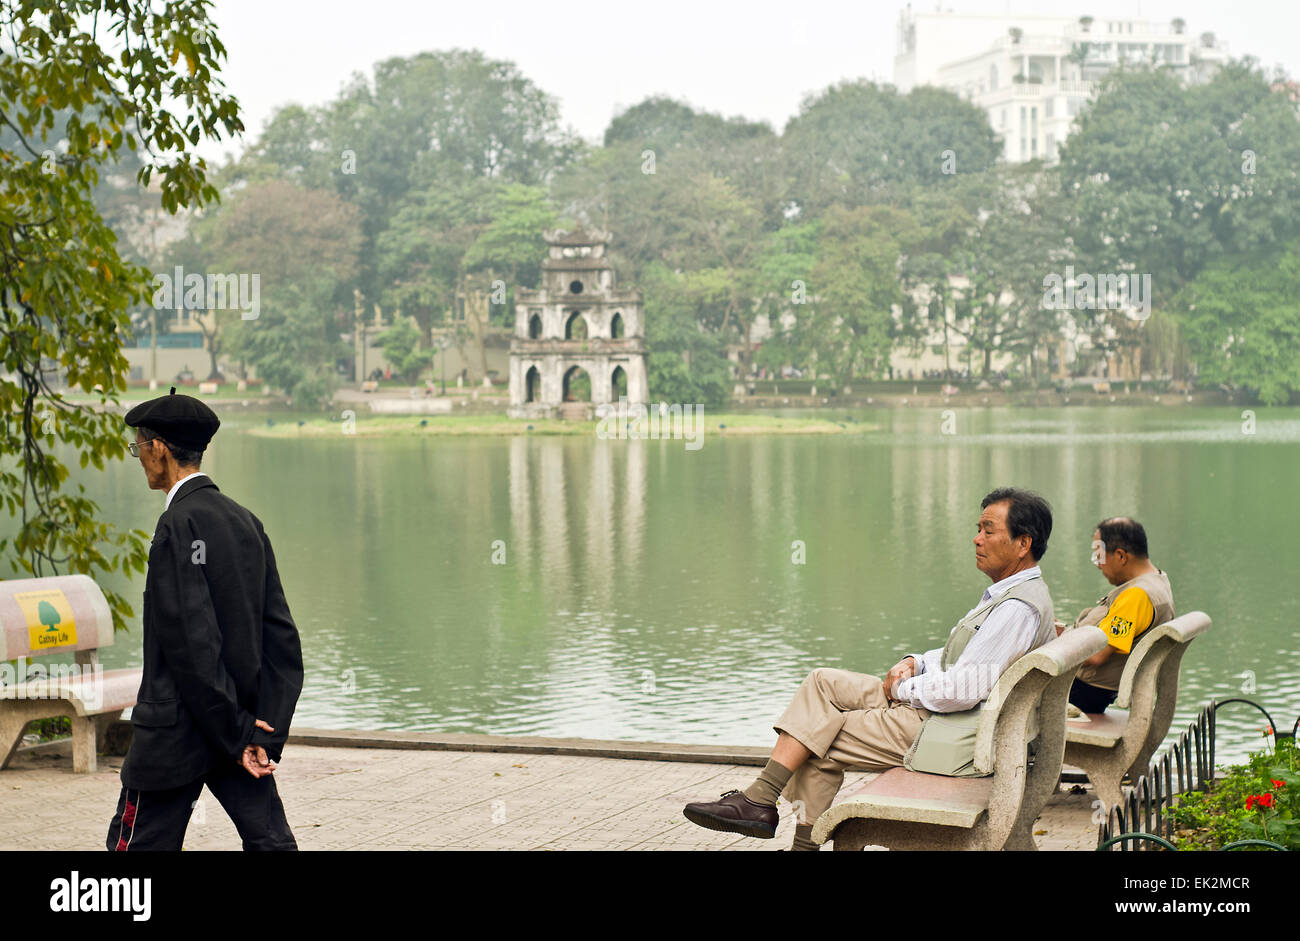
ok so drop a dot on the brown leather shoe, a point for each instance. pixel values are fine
(735, 813)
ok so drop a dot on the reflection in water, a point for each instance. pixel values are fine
(553, 501)
(601, 505)
(633, 504)
(521, 519)
(652, 592)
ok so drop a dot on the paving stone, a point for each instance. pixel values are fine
(348, 798)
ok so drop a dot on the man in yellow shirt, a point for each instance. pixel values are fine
(1142, 597)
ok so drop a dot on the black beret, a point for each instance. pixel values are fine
(181, 419)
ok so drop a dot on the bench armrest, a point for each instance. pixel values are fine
(1058, 657)
(1181, 630)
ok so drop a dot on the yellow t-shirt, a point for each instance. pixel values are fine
(1129, 615)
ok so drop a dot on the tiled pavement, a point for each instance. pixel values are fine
(375, 798)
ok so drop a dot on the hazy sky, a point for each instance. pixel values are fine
(755, 58)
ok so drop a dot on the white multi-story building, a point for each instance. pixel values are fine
(1033, 73)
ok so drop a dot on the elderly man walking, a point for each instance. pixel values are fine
(222, 659)
(923, 715)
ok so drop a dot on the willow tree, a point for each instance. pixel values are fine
(83, 84)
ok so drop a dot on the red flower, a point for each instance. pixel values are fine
(1262, 800)
(1277, 783)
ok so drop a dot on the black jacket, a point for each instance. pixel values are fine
(220, 647)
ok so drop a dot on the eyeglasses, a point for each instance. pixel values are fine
(134, 446)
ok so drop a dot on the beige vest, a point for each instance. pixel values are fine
(946, 744)
(1156, 585)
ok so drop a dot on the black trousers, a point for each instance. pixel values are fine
(1091, 698)
(156, 820)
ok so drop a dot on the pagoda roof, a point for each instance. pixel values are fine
(578, 236)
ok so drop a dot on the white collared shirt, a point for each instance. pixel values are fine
(1006, 635)
(176, 486)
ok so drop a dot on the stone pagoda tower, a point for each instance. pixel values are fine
(579, 340)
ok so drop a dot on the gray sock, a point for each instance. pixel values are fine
(767, 787)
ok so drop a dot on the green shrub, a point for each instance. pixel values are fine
(1259, 800)
(48, 729)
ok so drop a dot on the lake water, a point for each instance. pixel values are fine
(649, 592)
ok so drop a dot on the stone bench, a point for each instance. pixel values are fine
(1121, 740)
(370, 385)
(62, 614)
(911, 810)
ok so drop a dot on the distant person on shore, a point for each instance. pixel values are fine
(839, 720)
(222, 659)
(1142, 597)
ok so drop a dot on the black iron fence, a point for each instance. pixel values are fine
(1143, 819)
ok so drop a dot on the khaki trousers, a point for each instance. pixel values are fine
(846, 721)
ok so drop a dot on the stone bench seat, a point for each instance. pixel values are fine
(912, 810)
(1103, 729)
(915, 796)
(61, 614)
(1121, 740)
(118, 689)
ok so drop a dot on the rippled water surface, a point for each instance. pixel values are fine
(648, 591)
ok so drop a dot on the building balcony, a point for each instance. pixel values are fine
(591, 296)
(576, 264)
(529, 346)
(1017, 90)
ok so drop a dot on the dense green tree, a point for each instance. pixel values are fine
(670, 137)
(848, 323)
(420, 255)
(688, 364)
(692, 194)
(192, 257)
(934, 270)
(428, 127)
(1015, 240)
(718, 245)
(876, 221)
(1163, 177)
(663, 168)
(857, 143)
(785, 264)
(401, 346)
(303, 245)
(1242, 320)
(611, 189)
(65, 290)
(663, 125)
(510, 248)
(295, 342)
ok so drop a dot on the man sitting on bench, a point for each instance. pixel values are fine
(923, 715)
(1141, 598)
